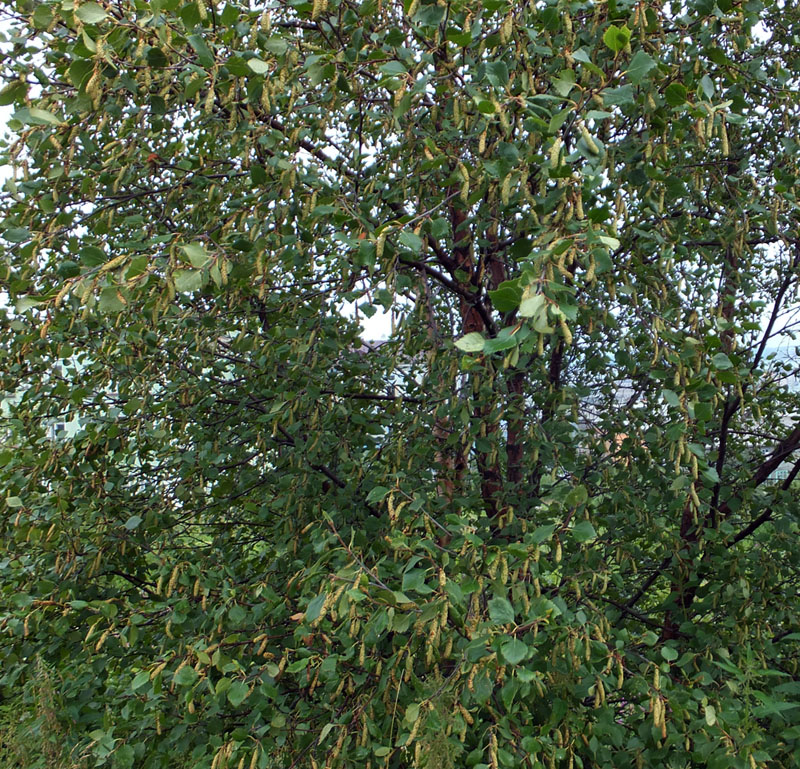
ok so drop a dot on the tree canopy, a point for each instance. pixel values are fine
(548, 521)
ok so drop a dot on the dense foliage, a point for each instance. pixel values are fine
(548, 522)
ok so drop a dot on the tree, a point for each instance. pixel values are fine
(541, 524)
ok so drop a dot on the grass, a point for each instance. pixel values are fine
(31, 736)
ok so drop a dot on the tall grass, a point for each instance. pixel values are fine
(31, 736)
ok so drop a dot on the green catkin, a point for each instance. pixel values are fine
(555, 151)
(723, 135)
(591, 144)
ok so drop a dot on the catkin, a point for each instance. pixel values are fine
(565, 331)
(173, 581)
(415, 728)
(506, 28)
(464, 193)
(723, 135)
(590, 273)
(505, 190)
(319, 7)
(102, 640)
(591, 144)
(208, 104)
(493, 762)
(555, 150)
(579, 215)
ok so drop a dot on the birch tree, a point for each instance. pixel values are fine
(549, 520)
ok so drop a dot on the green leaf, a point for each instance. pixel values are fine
(484, 687)
(393, 68)
(377, 494)
(707, 86)
(197, 254)
(772, 707)
(669, 654)
(42, 16)
(499, 344)
(497, 73)
(133, 522)
(399, 598)
(671, 397)
(564, 84)
(13, 92)
(90, 13)
(501, 612)
(440, 228)
(618, 97)
(415, 580)
(531, 305)
(721, 362)
(429, 15)
(314, 608)
(27, 303)
(703, 411)
(238, 693)
(239, 66)
(507, 296)
(410, 240)
(298, 665)
(157, 59)
(110, 302)
(412, 713)
(640, 65)
(559, 119)
(617, 38)
(577, 496)
(22, 600)
(140, 679)
(204, 55)
(472, 342)
(609, 241)
(582, 55)
(16, 234)
(514, 651)
(187, 281)
(583, 531)
(710, 714)
(258, 66)
(276, 45)
(92, 256)
(543, 533)
(186, 676)
(675, 94)
(137, 266)
(124, 756)
(36, 116)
